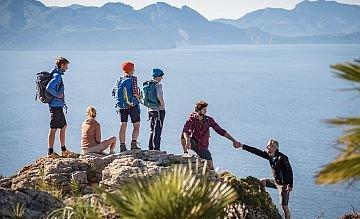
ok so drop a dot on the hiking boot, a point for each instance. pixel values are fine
(134, 146)
(69, 154)
(53, 156)
(122, 148)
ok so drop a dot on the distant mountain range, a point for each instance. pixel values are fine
(29, 24)
(308, 18)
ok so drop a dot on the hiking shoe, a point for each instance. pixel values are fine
(69, 154)
(186, 154)
(111, 152)
(135, 146)
(53, 156)
(123, 148)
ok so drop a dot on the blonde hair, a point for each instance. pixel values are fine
(274, 142)
(91, 111)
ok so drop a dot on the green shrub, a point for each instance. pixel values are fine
(176, 193)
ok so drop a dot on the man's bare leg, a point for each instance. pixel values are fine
(210, 164)
(136, 131)
(122, 135)
(286, 211)
(122, 132)
(51, 138)
(62, 136)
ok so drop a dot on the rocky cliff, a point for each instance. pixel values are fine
(48, 184)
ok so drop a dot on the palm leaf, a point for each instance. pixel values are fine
(344, 168)
(347, 165)
(177, 193)
(348, 71)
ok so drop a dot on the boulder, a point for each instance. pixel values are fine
(26, 203)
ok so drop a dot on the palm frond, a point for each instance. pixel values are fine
(177, 193)
(349, 121)
(343, 168)
(347, 165)
(348, 71)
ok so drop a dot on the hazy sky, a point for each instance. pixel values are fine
(211, 9)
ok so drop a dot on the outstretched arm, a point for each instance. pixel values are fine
(222, 132)
(255, 151)
(235, 143)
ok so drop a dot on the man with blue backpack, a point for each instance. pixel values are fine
(126, 94)
(55, 88)
(152, 97)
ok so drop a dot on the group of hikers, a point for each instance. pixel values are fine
(128, 97)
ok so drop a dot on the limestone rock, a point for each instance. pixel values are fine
(73, 178)
(80, 177)
(31, 203)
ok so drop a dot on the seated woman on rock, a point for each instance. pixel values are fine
(91, 136)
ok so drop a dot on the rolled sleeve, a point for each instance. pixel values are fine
(217, 128)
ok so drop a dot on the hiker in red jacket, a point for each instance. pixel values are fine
(196, 133)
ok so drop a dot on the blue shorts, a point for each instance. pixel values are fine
(202, 153)
(133, 112)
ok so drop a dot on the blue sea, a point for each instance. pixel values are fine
(255, 92)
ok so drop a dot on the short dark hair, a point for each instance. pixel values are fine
(61, 61)
(200, 105)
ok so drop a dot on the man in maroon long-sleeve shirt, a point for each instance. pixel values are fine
(196, 133)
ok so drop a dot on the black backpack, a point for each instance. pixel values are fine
(42, 80)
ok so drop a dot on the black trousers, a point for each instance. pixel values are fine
(156, 125)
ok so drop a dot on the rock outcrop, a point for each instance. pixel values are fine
(49, 184)
(26, 203)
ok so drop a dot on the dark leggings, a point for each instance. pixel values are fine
(156, 125)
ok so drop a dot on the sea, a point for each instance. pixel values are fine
(254, 92)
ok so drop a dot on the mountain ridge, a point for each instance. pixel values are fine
(306, 19)
(29, 24)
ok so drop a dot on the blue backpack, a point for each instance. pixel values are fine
(123, 94)
(149, 94)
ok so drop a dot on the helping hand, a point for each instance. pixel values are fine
(237, 144)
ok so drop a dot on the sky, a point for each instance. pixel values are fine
(211, 9)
